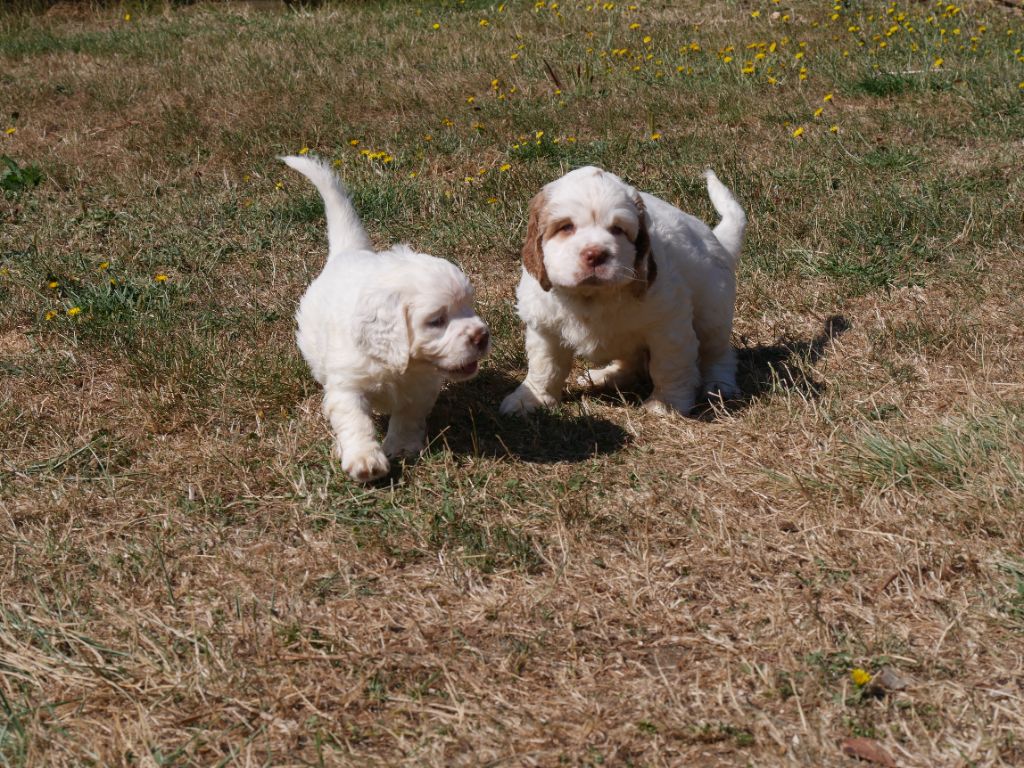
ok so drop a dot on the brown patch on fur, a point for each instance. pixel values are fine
(645, 266)
(533, 248)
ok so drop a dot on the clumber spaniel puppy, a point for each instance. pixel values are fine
(382, 332)
(631, 283)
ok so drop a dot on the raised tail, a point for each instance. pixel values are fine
(344, 229)
(734, 221)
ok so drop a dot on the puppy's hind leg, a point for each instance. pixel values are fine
(355, 437)
(407, 427)
(674, 371)
(718, 364)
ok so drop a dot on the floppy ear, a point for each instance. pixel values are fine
(533, 248)
(646, 268)
(382, 328)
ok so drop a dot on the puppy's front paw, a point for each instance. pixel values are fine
(366, 464)
(663, 405)
(525, 401)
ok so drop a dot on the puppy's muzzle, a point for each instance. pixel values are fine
(594, 256)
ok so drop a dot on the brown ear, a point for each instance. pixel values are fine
(533, 248)
(645, 267)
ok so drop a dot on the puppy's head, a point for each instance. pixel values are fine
(588, 231)
(421, 316)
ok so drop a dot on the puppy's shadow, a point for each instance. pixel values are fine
(466, 418)
(785, 365)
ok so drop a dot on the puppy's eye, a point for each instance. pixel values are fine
(438, 322)
(567, 229)
(616, 230)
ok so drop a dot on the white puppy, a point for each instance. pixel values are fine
(382, 332)
(629, 282)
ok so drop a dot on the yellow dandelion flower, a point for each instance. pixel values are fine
(772, 80)
(10, 131)
(727, 59)
(634, 25)
(798, 132)
(127, 17)
(104, 265)
(827, 97)
(492, 200)
(484, 23)
(74, 311)
(539, 135)
(412, 174)
(354, 142)
(504, 168)
(52, 284)
(937, 63)
(304, 151)
(435, 26)
(50, 314)
(279, 185)
(514, 56)
(755, 14)
(655, 136)
(647, 39)
(161, 278)
(748, 70)
(818, 111)
(833, 129)
(470, 99)
(860, 677)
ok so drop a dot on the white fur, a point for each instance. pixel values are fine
(381, 332)
(677, 329)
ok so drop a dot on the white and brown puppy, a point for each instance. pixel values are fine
(382, 332)
(629, 282)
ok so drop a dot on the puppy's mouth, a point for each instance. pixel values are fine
(462, 372)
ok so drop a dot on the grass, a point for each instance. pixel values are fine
(187, 578)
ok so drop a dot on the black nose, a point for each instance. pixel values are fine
(594, 257)
(481, 337)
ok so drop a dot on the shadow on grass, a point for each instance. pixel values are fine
(466, 418)
(786, 365)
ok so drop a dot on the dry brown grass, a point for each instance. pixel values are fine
(187, 579)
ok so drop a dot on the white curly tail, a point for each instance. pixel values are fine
(344, 229)
(734, 221)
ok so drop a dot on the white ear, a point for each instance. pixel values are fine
(382, 328)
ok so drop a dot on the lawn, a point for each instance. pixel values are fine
(832, 568)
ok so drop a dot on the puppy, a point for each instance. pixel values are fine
(631, 283)
(382, 332)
